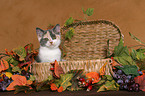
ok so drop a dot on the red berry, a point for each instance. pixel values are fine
(87, 84)
(81, 79)
(89, 80)
(89, 88)
(51, 69)
(83, 83)
(1, 80)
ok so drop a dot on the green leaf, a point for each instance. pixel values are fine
(90, 11)
(135, 38)
(121, 54)
(42, 85)
(65, 80)
(21, 52)
(102, 88)
(32, 78)
(50, 77)
(16, 69)
(69, 21)
(12, 61)
(84, 11)
(125, 60)
(133, 54)
(111, 85)
(69, 34)
(21, 88)
(129, 70)
(140, 56)
(109, 77)
(141, 50)
(101, 82)
(74, 81)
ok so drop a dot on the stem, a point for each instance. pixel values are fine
(136, 46)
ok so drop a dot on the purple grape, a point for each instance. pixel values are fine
(6, 78)
(119, 72)
(140, 72)
(136, 89)
(125, 86)
(126, 81)
(118, 76)
(130, 89)
(121, 87)
(131, 82)
(3, 88)
(123, 76)
(129, 77)
(120, 81)
(135, 85)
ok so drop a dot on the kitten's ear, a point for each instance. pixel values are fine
(40, 33)
(56, 29)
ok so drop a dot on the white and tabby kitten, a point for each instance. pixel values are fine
(49, 44)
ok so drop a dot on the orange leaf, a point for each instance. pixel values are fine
(102, 69)
(29, 82)
(4, 65)
(17, 80)
(53, 87)
(93, 75)
(60, 89)
(114, 63)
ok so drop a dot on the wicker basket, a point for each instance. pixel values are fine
(86, 50)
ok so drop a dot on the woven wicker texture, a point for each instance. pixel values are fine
(86, 50)
(90, 40)
(42, 70)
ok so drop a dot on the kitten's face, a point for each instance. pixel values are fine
(49, 38)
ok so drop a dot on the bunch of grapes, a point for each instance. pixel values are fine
(4, 82)
(126, 82)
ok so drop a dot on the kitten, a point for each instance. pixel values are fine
(49, 44)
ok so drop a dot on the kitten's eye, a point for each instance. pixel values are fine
(54, 37)
(46, 39)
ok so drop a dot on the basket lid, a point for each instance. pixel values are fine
(90, 40)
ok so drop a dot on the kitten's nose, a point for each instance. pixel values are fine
(51, 42)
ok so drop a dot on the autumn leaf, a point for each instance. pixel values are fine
(141, 81)
(65, 78)
(18, 80)
(3, 65)
(21, 52)
(16, 69)
(53, 87)
(8, 74)
(60, 89)
(74, 80)
(93, 75)
(57, 69)
(102, 69)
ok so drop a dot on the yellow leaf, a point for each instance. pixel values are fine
(8, 74)
(102, 70)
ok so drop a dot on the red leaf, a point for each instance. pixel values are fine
(141, 81)
(57, 69)
(53, 87)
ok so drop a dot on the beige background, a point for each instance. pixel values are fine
(19, 18)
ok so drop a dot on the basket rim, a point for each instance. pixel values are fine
(101, 21)
(73, 61)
